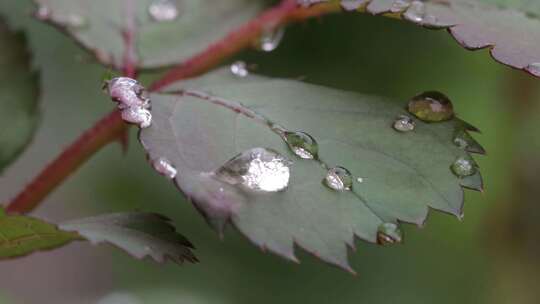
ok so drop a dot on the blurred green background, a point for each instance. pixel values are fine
(490, 257)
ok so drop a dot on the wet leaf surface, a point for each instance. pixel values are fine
(509, 28)
(22, 235)
(170, 39)
(18, 96)
(139, 234)
(396, 176)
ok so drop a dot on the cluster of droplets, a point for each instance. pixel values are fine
(163, 10)
(257, 169)
(132, 99)
(239, 69)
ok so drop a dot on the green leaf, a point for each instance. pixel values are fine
(98, 26)
(139, 234)
(22, 235)
(396, 176)
(510, 29)
(18, 96)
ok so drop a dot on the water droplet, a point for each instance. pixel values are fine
(163, 10)
(43, 12)
(534, 68)
(258, 169)
(431, 106)
(399, 6)
(239, 69)
(339, 179)
(351, 5)
(416, 12)
(137, 115)
(163, 166)
(302, 144)
(389, 233)
(269, 40)
(360, 180)
(463, 167)
(127, 92)
(404, 123)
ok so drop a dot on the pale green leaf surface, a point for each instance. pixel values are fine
(403, 174)
(157, 44)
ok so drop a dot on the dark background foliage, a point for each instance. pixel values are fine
(489, 258)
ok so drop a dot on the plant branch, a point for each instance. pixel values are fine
(112, 128)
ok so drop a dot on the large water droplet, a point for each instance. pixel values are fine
(389, 233)
(127, 92)
(258, 169)
(239, 69)
(339, 179)
(164, 167)
(137, 115)
(269, 40)
(431, 106)
(163, 10)
(404, 123)
(463, 167)
(302, 144)
(416, 12)
(534, 68)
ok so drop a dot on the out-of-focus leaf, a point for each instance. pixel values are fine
(397, 176)
(509, 28)
(22, 235)
(139, 234)
(98, 25)
(18, 96)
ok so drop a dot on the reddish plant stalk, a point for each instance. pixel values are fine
(112, 128)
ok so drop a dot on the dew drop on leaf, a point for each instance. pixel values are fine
(127, 92)
(463, 167)
(534, 68)
(270, 39)
(258, 169)
(164, 167)
(302, 144)
(163, 10)
(239, 69)
(389, 233)
(431, 106)
(416, 12)
(404, 123)
(137, 115)
(339, 179)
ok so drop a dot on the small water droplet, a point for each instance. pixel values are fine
(360, 180)
(43, 12)
(269, 40)
(404, 123)
(339, 179)
(164, 167)
(163, 10)
(259, 169)
(389, 233)
(239, 69)
(399, 6)
(127, 92)
(137, 115)
(463, 167)
(534, 68)
(351, 5)
(431, 106)
(416, 12)
(302, 144)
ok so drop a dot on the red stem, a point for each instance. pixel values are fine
(112, 127)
